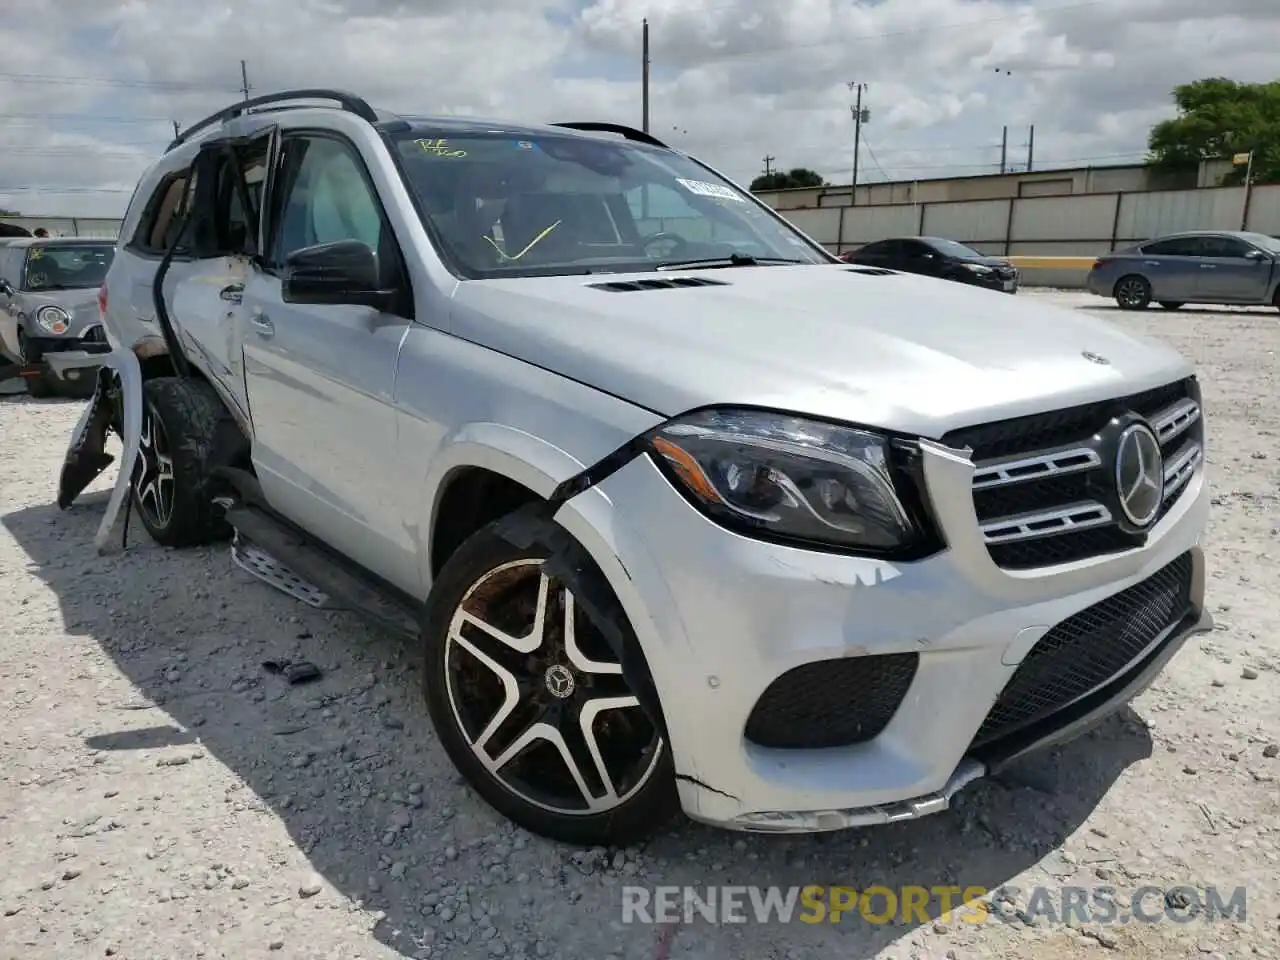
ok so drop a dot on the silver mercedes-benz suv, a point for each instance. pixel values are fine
(682, 512)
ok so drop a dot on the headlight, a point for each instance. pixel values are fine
(789, 478)
(976, 267)
(53, 320)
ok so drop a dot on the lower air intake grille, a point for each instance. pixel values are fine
(1089, 649)
(831, 703)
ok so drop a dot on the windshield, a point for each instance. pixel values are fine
(504, 204)
(953, 249)
(67, 266)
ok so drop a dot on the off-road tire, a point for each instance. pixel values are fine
(1141, 296)
(1172, 304)
(193, 420)
(654, 803)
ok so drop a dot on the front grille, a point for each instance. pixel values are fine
(831, 703)
(1040, 487)
(1089, 649)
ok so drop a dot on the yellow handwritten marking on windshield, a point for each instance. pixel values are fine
(440, 148)
(531, 244)
(36, 253)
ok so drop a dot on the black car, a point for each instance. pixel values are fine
(936, 257)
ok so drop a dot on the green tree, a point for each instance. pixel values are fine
(1220, 118)
(797, 177)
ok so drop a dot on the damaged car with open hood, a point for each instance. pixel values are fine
(681, 513)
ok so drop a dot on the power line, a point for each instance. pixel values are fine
(109, 82)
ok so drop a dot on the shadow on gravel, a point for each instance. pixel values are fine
(350, 766)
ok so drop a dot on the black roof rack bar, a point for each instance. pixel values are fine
(348, 101)
(631, 133)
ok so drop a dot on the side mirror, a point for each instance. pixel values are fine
(6, 288)
(1256, 255)
(341, 272)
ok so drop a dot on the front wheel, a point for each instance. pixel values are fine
(40, 385)
(1133, 293)
(529, 699)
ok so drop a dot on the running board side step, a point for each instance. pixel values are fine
(278, 554)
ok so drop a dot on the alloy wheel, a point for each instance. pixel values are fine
(1132, 293)
(153, 480)
(540, 698)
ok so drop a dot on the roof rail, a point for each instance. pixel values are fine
(346, 101)
(631, 133)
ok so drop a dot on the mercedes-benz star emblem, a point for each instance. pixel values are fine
(1094, 358)
(1139, 474)
(559, 680)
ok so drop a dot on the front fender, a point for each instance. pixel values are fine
(86, 456)
(519, 456)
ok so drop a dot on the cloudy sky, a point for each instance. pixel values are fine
(89, 90)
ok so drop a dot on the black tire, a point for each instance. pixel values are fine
(1172, 304)
(40, 386)
(643, 779)
(183, 418)
(1132, 292)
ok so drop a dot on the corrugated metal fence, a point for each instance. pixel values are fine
(1081, 225)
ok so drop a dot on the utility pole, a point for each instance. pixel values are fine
(1031, 147)
(768, 168)
(1004, 151)
(859, 117)
(644, 74)
(244, 79)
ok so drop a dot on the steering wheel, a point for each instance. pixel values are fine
(678, 243)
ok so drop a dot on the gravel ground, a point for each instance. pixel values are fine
(162, 796)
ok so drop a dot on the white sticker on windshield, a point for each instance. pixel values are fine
(709, 190)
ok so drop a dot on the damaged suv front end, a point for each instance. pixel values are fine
(862, 537)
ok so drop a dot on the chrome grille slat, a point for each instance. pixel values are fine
(1054, 463)
(1027, 526)
(1037, 505)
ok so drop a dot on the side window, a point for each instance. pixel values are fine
(327, 198)
(235, 230)
(915, 251)
(877, 249)
(162, 216)
(1224, 247)
(1174, 247)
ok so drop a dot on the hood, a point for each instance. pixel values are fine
(988, 261)
(81, 303)
(901, 352)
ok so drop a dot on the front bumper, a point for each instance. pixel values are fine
(69, 361)
(721, 617)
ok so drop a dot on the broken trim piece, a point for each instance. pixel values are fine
(601, 470)
(176, 356)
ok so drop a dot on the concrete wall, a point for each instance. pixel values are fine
(97, 228)
(1046, 233)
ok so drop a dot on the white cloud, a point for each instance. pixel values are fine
(744, 78)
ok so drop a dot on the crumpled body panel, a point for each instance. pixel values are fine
(86, 456)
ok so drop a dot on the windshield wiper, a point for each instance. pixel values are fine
(733, 260)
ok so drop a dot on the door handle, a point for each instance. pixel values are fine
(1208, 266)
(263, 325)
(232, 293)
